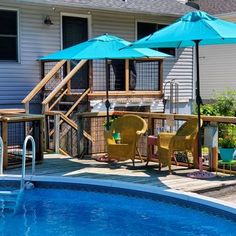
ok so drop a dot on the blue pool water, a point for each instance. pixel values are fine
(42, 212)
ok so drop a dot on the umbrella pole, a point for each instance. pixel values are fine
(107, 103)
(199, 102)
(199, 174)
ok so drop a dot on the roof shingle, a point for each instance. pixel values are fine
(217, 6)
(162, 7)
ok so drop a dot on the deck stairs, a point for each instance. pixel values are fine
(66, 109)
(60, 105)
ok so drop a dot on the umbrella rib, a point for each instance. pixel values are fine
(210, 27)
(179, 44)
(149, 36)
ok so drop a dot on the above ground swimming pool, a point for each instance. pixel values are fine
(100, 211)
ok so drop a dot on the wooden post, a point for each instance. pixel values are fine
(160, 74)
(80, 136)
(214, 156)
(46, 132)
(68, 69)
(38, 137)
(57, 133)
(195, 155)
(45, 108)
(41, 139)
(5, 143)
(90, 85)
(27, 107)
(126, 75)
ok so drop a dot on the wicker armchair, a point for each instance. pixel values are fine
(183, 140)
(130, 127)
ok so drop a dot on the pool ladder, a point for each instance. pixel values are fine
(28, 138)
(9, 200)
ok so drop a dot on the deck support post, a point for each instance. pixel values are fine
(42, 131)
(214, 156)
(57, 133)
(81, 149)
(5, 143)
(27, 107)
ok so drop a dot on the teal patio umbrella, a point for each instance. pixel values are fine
(104, 47)
(193, 29)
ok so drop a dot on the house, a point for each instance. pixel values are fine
(31, 29)
(217, 62)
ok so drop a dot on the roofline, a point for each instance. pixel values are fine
(38, 2)
(233, 14)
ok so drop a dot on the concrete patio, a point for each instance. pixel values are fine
(221, 187)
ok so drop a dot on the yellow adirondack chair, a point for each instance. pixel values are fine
(183, 140)
(130, 128)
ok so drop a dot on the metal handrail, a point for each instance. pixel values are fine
(1, 156)
(28, 137)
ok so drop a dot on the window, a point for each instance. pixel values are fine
(144, 29)
(8, 35)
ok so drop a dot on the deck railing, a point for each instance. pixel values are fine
(62, 84)
(93, 124)
(41, 84)
(14, 129)
(61, 133)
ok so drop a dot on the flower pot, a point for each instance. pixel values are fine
(227, 154)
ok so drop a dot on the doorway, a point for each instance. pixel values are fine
(74, 31)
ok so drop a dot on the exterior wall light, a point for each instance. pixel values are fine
(47, 20)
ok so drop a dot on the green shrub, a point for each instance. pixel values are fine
(224, 105)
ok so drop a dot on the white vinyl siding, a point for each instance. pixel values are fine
(217, 67)
(181, 70)
(37, 39)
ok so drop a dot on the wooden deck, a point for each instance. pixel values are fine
(222, 186)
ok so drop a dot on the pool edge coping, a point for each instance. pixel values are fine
(181, 195)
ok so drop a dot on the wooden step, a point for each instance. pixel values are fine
(66, 103)
(72, 97)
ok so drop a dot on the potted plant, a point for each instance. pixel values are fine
(227, 146)
(107, 125)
